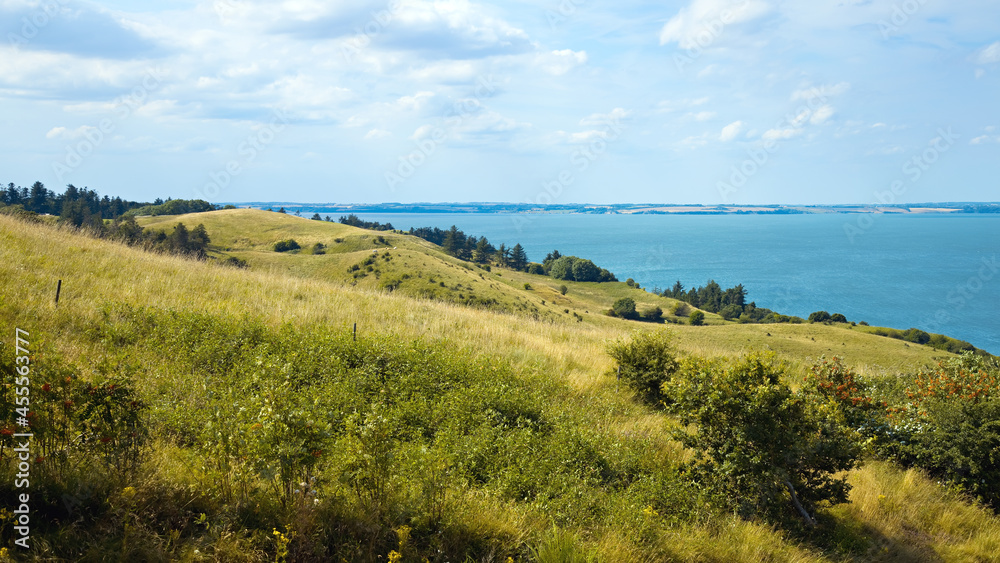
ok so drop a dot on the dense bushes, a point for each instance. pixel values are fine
(346, 441)
(645, 362)
(286, 245)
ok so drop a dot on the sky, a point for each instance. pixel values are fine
(550, 101)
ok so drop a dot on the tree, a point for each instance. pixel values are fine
(483, 251)
(838, 318)
(281, 210)
(316, 217)
(624, 308)
(696, 318)
(758, 445)
(645, 362)
(819, 317)
(179, 239)
(562, 268)
(518, 259)
(585, 270)
(563, 289)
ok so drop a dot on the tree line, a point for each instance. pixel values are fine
(108, 218)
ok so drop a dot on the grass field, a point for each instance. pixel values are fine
(511, 341)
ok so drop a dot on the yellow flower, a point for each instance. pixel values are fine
(128, 493)
(648, 511)
(395, 556)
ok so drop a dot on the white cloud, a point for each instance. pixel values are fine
(703, 22)
(990, 54)
(614, 116)
(560, 62)
(821, 115)
(984, 139)
(701, 115)
(731, 131)
(65, 134)
(416, 102)
(821, 92)
(781, 134)
(376, 134)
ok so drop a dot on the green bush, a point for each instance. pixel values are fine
(645, 362)
(653, 315)
(286, 245)
(819, 317)
(563, 289)
(696, 318)
(767, 451)
(623, 308)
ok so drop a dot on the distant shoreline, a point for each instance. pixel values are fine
(628, 209)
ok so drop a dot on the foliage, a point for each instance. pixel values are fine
(623, 308)
(286, 245)
(696, 318)
(757, 444)
(354, 221)
(174, 207)
(819, 317)
(645, 362)
(653, 315)
(950, 425)
(577, 269)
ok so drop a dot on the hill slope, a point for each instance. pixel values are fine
(525, 403)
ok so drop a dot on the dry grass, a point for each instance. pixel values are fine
(909, 517)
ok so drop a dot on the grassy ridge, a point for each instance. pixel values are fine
(313, 297)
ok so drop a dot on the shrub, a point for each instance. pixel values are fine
(537, 269)
(319, 248)
(819, 317)
(730, 312)
(645, 362)
(757, 444)
(286, 245)
(838, 318)
(563, 289)
(697, 318)
(624, 308)
(679, 309)
(630, 282)
(654, 315)
(527, 286)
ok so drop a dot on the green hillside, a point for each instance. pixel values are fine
(189, 410)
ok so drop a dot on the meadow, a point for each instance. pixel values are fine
(198, 411)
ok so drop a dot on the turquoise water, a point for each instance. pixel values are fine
(939, 273)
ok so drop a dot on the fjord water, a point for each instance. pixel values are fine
(936, 272)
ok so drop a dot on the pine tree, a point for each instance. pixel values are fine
(518, 259)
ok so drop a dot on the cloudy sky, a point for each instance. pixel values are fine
(568, 101)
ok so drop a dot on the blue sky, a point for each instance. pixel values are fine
(562, 101)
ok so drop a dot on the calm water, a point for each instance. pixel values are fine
(939, 273)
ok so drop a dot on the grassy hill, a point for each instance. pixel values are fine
(475, 419)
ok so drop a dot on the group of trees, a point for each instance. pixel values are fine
(79, 205)
(575, 269)
(355, 221)
(109, 218)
